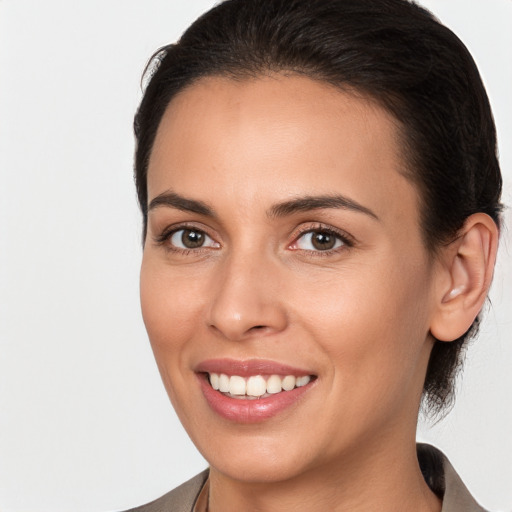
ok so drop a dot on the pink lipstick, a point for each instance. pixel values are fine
(252, 391)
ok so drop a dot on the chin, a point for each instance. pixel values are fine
(254, 458)
(259, 469)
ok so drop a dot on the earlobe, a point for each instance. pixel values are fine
(468, 269)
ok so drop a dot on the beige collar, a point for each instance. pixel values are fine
(202, 500)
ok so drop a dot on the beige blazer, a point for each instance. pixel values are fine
(445, 482)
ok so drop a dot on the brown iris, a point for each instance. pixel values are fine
(323, 241)
(192, 239)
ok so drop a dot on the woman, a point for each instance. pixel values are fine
(321, 204)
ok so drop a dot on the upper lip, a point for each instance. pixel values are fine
(248, 367)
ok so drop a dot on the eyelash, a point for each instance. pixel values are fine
(347, 240)
(164, 238)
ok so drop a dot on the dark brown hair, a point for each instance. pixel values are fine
(393, 51)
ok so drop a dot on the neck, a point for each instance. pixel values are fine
(388, 480)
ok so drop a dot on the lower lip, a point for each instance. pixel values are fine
(250, 411)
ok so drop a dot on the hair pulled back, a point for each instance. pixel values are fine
(392, 51)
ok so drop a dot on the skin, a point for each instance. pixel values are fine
(358, 317)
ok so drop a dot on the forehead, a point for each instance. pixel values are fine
(300, 135)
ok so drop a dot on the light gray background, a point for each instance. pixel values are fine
(85, 424)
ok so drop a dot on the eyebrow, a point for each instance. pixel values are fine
(303, 204)
(300, 204)
(173, 200)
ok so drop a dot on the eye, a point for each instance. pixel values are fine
(319, 240)
(191, 239)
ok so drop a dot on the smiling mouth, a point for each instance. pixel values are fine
(255, 386)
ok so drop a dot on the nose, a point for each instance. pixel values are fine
(246, 299)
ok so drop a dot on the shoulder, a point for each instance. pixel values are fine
(445, 482)
(181, 499)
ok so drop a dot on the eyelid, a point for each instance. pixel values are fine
(346, 239)
(208, 240)
(165, 235)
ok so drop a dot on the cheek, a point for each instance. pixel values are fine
(372, 323)
(171, 306)
(171, 313)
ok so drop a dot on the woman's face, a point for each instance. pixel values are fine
(284, 242)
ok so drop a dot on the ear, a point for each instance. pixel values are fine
(467, 267)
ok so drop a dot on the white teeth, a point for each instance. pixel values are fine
(214, 380)
(302, 381)
(255, 386)
(237, 385)
(288, 382)
(223, 383)
(274, 384)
